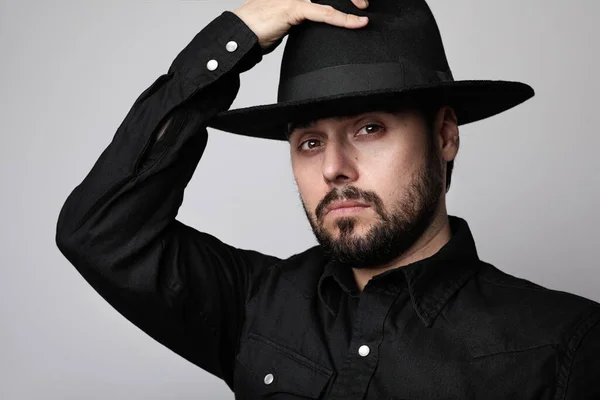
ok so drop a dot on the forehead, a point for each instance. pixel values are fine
(310, 123)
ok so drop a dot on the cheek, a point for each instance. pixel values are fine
(309, 188)
(389, 175)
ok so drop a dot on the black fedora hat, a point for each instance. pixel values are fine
(398, 57)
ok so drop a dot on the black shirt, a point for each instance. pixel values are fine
(450, 326)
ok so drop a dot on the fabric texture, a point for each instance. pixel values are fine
(449, 326)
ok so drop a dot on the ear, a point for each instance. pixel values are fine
(446, 127)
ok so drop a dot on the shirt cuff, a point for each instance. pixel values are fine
(225, 45)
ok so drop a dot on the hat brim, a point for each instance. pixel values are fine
(472, 101)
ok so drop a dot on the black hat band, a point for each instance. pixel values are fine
(355, 78)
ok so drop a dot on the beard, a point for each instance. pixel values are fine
(394, 232)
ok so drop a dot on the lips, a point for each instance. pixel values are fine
(345, 205)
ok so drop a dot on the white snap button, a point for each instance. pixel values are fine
(364, 350)
(231, 46)
(269, 379)
(212, 65)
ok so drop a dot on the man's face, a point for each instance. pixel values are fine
(370, 184)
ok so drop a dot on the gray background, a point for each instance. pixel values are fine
(526, 180)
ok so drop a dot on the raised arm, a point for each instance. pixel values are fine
(184, 288)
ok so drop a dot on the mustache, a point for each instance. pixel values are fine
(351, 193)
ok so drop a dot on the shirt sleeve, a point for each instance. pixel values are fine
(582, 364)
(118, 227)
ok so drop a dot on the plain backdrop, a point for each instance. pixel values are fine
(526, 180)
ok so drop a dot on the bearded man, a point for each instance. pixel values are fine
(394, 302)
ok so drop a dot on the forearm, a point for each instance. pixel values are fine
(136, 185)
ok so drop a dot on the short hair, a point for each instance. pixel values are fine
(428, 111)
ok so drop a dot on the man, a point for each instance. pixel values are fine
(394, 303)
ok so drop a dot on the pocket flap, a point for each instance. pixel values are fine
(274, 368)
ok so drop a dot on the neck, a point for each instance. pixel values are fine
(434, 238)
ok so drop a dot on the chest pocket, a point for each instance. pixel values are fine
(268, 370)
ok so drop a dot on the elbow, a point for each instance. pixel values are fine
(69, 236)
(67, 240)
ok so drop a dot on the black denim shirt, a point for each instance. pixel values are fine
(447, 327)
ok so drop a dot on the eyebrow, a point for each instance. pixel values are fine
(298, 125)
(302, 124)
(308, 124)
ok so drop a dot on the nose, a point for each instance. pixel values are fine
(339, 165)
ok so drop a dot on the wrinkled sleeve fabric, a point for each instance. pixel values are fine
(582, 364)
(118, 227)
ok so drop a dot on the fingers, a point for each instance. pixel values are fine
(362, 4)
(328, 14)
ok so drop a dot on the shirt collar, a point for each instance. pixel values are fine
(431, 282)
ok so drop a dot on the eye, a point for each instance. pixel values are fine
(370, 129)
(310, 144)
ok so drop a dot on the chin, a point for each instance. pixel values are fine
(360, 227)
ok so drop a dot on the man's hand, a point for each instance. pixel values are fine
(271, 20)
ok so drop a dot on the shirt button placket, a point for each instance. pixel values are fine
(354, 378)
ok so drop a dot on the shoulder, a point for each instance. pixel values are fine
(541, 302)
(503, 313)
